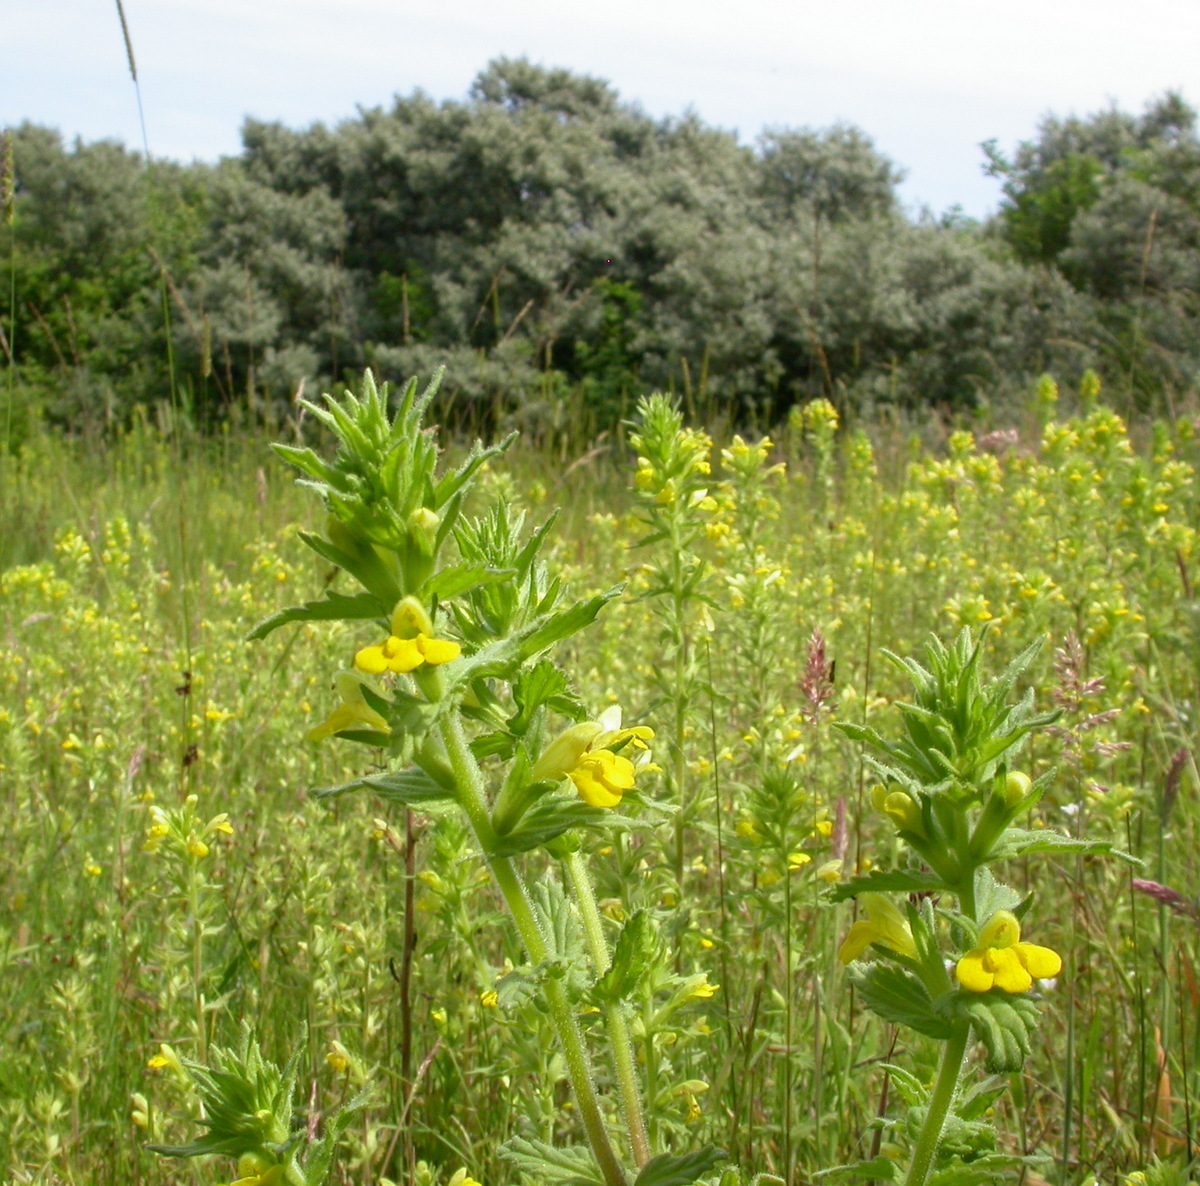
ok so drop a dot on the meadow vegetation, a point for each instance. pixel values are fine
(173, 897)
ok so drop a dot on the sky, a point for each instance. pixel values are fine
(928, 80)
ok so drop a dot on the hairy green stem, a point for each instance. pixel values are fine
(471, 795)
(678, 597)
(939, 1105)
(194, 876)
(618, 1031)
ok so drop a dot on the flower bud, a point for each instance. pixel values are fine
(1016, 787)
(904, 812)
(423, 524)
(252, 1164)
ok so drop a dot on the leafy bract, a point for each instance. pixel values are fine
(333, 607)
(412, 787)
(682, 1170)
(571, 1166)
(957, 729)
(896, 995)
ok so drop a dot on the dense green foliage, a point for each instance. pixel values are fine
(547, 239)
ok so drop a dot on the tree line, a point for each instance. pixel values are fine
(548, 241)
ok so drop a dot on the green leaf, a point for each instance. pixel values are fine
(318, 1157)
(878, 1169)
(1019, 842)
(495, 744)
(503, 659)
(1003, 1022)
(558, 921)
(897, 881)
(573, 1166)
(543, 685)
(561, 625)
(333, 607)
(547, 819)
(975, 1103)
(992, 895)
(365, 564)
(980, 1171)
(911, 1089)
(517, 988)
(636, 951)
(898, 996)
(668, 1170)
(412, 786)
(462, 578)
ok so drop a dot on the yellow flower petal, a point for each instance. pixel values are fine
(353, 713)
(831, 871)
(1001, 930)
(410, 618)
(348, 716)
(371, 660)
(860, 937)
(592, 789)
(884, 924)
(1005, 964)
(1040, 962)
(637, 736)
(971, 973)
(403, 654)
(890, 925)
(618, 771)
(437, 650)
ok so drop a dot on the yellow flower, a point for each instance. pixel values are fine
(831, 871)
(197, 848)
(602, 777)
(586, 754)
(166, 1057)
(256, 1171)
(797, 860)
(698, 988)
(353, 713)
(884, 924)
(406, 654)
(904, 811)
(1002, 961)
(490, 999)
(410, 644)
(461, 1178)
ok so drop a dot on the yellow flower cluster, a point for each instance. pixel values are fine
(410, 644)
(1002, 961)
(588, 755)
